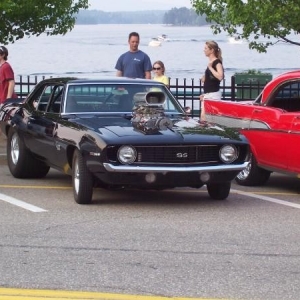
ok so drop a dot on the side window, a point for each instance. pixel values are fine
(48, 98)
(287, 97)
(56, 99)
(44, 98)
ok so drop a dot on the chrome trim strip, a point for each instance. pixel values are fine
(237, 122)
(146, 169)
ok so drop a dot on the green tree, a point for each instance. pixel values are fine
(273, 20)
(21, 18)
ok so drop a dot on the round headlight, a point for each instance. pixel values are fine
(126, 155)
(228, 153)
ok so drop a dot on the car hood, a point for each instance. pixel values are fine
(187, 129)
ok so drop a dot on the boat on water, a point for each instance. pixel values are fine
(155, 42)
(235, 40)
(162, 37)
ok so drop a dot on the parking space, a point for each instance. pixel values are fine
(55, 190)
(280, 189)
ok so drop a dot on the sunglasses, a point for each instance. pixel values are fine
(157, 68)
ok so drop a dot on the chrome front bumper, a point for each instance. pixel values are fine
(147, 169)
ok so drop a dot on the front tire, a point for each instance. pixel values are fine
(82, 180)
(20, 161)
(219, 190)
(253, 175)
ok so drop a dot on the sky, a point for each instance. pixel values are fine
(134, 5)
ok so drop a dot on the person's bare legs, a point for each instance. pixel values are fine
(202, 112)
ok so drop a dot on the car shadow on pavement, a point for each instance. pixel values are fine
(283, 182)
(171, 197)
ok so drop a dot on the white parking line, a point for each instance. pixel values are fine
(265, 198)
(33, 208)
(20, 203)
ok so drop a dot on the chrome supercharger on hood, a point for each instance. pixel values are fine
(148, 112)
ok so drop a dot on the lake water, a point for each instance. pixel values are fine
(92, 50)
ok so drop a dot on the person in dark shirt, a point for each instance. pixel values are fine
(134, 63)
(213, 75)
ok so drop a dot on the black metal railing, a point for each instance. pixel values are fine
(187, 91)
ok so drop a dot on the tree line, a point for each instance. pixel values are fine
(176, 16)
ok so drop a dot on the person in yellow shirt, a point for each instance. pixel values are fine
(159, 73)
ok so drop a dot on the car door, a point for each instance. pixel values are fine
(57, 155)
(292, 145)
(42, 123)
(294, 123)
(266, 133)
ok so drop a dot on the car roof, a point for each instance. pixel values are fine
(270, 86)
(114, 79)
(104, 80)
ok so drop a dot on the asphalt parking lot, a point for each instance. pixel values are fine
(2, 147)
(2, 140)
(172, 243)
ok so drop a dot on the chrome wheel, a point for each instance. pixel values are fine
(246, 172)
(252, 175)
(76, 177)
(82, 180)
(14, 149)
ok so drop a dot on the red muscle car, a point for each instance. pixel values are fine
(271, 123)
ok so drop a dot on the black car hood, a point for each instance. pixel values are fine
(183, 128)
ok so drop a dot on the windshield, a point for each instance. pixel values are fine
(115, 97)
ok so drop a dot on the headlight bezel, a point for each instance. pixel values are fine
(228, 153)
(127, 154)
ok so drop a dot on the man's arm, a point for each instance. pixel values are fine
(147, 67)
(119, 73)
(148, 75)
(11, 87)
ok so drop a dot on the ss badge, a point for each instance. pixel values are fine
(181, 155)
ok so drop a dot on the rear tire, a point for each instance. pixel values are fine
(20, 161)
(253, 175)
(219, 190)
(82, 180)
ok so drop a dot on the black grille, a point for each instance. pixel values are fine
(173, 154)
(177, 154)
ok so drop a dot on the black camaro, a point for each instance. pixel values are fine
(118, 133)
